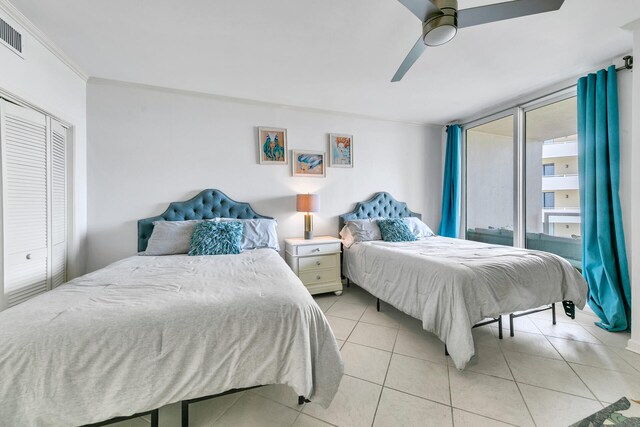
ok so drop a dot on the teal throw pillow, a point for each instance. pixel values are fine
(395, 230)
(216, 238)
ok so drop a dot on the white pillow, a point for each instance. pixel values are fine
(257, 233)
(419, 228)
(364, 230)
(170, 237)
(346, 236)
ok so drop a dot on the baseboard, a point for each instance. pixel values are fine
(633, 345)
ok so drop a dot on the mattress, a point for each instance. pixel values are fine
(452, 284)
(149, 331)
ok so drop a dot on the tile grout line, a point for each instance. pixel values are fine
(375, 413)
(518, 387)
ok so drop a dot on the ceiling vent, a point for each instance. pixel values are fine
(10, 37)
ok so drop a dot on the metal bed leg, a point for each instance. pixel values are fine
(378, 304)
(511, 324)
(302, 399)
(185, 413)
(500, 326)
(154, 418)
(553, 312)
(348, 282)
(446, 352)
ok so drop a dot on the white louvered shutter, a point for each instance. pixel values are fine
(58, 178)
(25, 202)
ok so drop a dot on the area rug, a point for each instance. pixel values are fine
(624, 413)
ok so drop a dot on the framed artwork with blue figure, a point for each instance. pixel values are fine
(272, 146)
(341, 150)
(308, 163)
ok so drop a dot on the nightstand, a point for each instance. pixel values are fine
(316, 262)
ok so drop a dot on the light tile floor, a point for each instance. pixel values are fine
(397, 375)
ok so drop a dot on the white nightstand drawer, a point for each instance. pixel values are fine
(318, 276)
(316, 262)
(325, 248)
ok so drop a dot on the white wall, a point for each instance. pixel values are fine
(151, 146)
(41, 78)
(630, 182)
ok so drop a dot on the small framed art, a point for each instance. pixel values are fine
(272, 146)
(308, 163)
(341, 150)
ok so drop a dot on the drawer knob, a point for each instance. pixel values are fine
(318, 277)
(318, 263)
(316, 250)
(28, 256)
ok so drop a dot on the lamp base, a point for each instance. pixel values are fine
(308, 226)
(308, 235)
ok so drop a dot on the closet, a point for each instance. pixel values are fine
(33, 207)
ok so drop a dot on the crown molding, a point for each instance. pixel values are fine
(15, 15)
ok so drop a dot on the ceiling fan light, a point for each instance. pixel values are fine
(439, 30)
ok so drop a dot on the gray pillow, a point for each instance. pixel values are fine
(258, 233)
(170, 237)
(364, 230)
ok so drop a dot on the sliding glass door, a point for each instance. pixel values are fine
(552, 192)
(490, 182)
(521, 178)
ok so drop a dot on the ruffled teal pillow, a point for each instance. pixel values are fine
(216, 238)
(395, 230)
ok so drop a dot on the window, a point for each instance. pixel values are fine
(548, 199)
(521, 185)
(489, 183)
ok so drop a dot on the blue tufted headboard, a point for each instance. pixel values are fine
(207, 204)
(382, 204)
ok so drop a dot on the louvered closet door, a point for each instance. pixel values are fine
(58, 184)
(25, 202)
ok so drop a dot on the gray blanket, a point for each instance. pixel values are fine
(149, 331)
(452, 284)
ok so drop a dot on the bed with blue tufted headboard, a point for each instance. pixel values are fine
(208, 204)
(381, 205)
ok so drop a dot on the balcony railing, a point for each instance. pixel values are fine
(560, 182)
(564, 149)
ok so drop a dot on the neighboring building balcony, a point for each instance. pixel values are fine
(560, 182)
(565, 149)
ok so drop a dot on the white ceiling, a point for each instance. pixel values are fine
(332, 54)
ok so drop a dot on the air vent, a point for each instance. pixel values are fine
(10, 37)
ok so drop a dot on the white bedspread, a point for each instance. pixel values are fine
(148, 331)
(452, 284)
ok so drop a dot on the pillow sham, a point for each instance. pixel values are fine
(346, 236)
(257, 233)
(364, 230)
(216, 238)
(170, 237)
(395, 230)
(418, 228)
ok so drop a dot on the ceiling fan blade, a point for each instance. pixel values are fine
(412, 56)
(507, 10)
(420, 8)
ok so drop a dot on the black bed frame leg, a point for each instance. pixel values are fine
(154, 418)
(185, 413)
(553, 312)
(511, 325)
(446, 352)
(378, 304)
(348, 282)
(302, 399)
(500, 326)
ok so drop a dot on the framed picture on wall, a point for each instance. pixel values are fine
(308, 163)
(272, 146)
(341, 150)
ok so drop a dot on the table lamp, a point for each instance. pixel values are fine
(308, 203)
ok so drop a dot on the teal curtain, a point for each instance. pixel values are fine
(450, 222)
(604, 258)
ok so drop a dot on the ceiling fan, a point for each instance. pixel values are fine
(441, 20)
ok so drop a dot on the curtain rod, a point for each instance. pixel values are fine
(628, 65)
